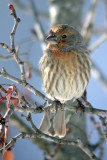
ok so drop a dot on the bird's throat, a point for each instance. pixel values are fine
(59, 54)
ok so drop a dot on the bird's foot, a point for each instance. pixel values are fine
(58, 104)
(80, 105)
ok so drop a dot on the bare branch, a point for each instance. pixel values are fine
(6, 116)
(39, 134)
(2, 58)
(103, 38)
(22, 6)
(101, 135)
(16, 20)
(103, 121)
(88, 25)
(27, 9)
(27, 85)
(37, 93)
(30, 67)
(2, 124)
(5, 46)
(13, 51)
(105, 5)
(98, 42)
(79, 142)
(38, 25)
(94, 111)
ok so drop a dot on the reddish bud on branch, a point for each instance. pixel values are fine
(13, 12)
(11, 7)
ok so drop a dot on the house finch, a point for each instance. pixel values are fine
(65, 67)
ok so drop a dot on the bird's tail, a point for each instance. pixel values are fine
(54, 123)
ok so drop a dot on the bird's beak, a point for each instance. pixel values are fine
(51, 39)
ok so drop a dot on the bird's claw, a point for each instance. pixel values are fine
(58, 104)
(81, 106)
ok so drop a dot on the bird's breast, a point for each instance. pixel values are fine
(64, 76)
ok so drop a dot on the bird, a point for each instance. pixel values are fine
(66, 67)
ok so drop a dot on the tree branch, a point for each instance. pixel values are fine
(98, 43)
(39, 134)
(88, 109)
(88, 25)
(6, 58)
(38, 25)
(27, 85)
(27, 9)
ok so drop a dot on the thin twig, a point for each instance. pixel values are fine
(2, 58)
(101, 135)
(88, 25)
(27, 85)
(88, 109)
(104, 124)
(39, 134)
(41, 109)
(98, 42)
(105, 5)
(13, 51)
(80, 144)
(101, 117)
(30, 67)
(38, 25)
(2, 124)
(27, 9)
(22, 6)
(87, 32)
(17, 59)
(7, 115)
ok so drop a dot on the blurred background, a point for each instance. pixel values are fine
(90, 18)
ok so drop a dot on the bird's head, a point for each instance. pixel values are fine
(65, 37)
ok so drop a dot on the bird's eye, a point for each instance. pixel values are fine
(64, 36)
